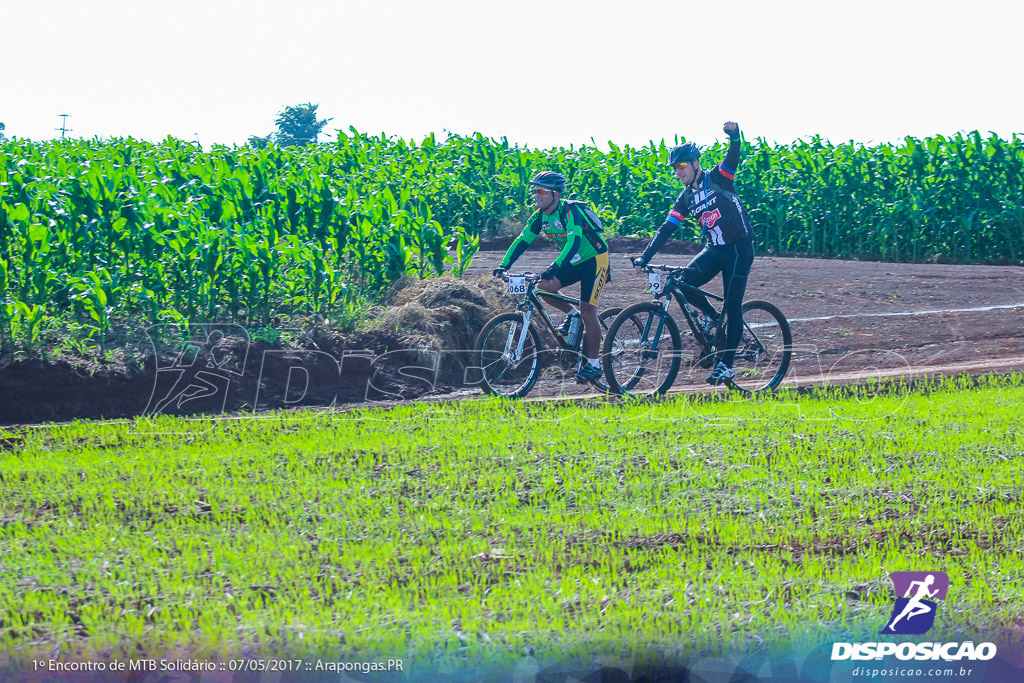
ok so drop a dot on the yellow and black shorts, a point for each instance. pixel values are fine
(592, 275)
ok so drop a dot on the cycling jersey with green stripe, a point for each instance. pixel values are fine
(576, 247)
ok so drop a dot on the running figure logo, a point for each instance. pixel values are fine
(200, 374)
(914, 613)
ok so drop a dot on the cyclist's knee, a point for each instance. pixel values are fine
(695, 277)
(552, 285)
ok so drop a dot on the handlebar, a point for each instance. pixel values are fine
(529, 277)
(652, 267)
(664, 267)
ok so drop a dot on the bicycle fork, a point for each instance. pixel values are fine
(652, 352)
(514, 356)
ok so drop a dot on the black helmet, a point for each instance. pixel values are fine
(685, 152)
(551, 180)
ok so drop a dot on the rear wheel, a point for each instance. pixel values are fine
(642, 350)
(505, 369)
(572, 359)
(764, 351)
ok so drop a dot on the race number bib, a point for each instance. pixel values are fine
(655, 283)
(517, 285)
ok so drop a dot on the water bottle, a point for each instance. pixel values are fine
(574, 330)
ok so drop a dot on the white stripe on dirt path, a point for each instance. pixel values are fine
(894, 314)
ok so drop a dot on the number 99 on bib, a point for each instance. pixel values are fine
(654, 281)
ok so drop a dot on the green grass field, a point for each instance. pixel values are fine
(484, 529)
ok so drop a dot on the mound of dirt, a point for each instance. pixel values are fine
(418, 344)
(440, 317)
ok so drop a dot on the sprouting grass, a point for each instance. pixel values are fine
(484, 529)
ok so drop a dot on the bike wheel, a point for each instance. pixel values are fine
(765, 349)
(573, 358)
(502, 372)
(606, 318)
(634, 360)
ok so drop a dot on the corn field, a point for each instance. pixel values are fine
(108, 233)
(956, 198)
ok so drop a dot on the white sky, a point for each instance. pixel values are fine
(541, 73)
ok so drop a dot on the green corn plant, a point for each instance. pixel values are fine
(210, 233)
(24, 324)
(8, 311)
(465, 248)
(97, 294)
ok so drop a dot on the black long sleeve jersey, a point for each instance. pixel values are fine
(715, 206)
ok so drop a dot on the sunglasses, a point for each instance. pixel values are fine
(681, 164)
(539, 190)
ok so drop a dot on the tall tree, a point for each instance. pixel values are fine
(2, 136)
(298, 125)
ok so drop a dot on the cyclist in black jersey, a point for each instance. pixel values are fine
(710, 198)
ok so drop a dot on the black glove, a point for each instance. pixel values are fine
(637, 261)
(549, 274)
(499, 271)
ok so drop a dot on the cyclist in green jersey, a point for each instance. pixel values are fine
(583, 259)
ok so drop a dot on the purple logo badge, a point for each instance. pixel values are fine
(916, 596)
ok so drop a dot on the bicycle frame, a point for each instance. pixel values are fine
(651, 339)
(676, 289)
(515, 343)
(532, 301)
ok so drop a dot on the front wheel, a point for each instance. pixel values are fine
(642, 350)
(765, 349)
(508, 356)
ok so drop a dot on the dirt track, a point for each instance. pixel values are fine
(852, 320)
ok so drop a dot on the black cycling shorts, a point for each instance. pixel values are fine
(592, 275)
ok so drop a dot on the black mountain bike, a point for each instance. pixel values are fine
(644, 347)
(509, 351)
